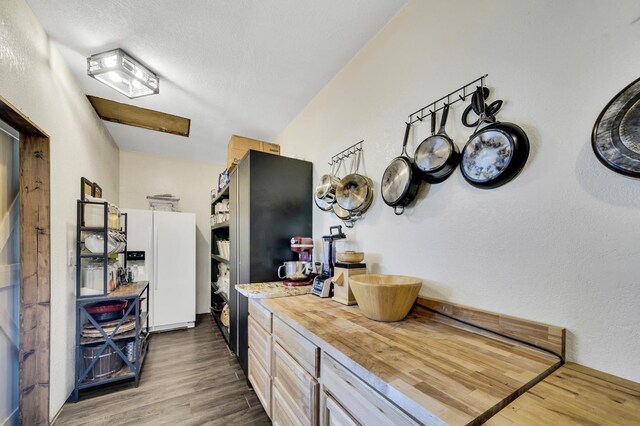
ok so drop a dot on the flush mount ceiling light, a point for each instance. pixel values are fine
(118, 70)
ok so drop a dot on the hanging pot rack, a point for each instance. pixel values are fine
(346, 153)
(460, 94)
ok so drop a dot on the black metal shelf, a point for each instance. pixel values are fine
(98, 255)
(132, 293)
(222, 194)
(222, 225)
(219, 258)
(225, 332)
(223, 296)
(99, 229)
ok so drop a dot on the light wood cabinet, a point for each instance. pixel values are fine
(284, 367)
(260, 315)
(261, 382)
(301, 349)
(283, 414)
(260, 344)
(363, 403)
(334, 415)
(259, 354)
(296, 385)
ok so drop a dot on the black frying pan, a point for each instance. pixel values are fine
(477, 104)
(495, 154)
(400, 181)
(437, 156)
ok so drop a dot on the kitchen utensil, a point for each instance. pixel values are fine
(400, 181)
(116, 242)
(299, 273)
(323, 205)
(495, 154)
(341, 280)
(350, 256)
(349, 218)
(322, 283)
(476, 106)
(355, 191)
(326, 189)
(437, 156)
(295, 270)
(385, 297)
(616, 133)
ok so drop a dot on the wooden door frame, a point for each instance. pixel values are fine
(35, 270)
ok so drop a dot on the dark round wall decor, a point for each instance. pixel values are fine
(616, 134)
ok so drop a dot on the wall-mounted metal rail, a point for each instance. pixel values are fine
(346, 153)
(460, 94)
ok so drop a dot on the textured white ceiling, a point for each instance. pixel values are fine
(231, 66)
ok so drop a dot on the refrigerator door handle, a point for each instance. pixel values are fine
(155, 257)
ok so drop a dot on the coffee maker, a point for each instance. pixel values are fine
(322, 285)
(300, 272)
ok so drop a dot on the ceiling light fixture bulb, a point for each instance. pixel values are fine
(118, 70)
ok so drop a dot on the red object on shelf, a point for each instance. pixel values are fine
(106, 307)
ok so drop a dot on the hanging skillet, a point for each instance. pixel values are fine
(616, 135)
(437, 156)
(400, 181)
(495, 154)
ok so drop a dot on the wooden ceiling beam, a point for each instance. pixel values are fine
(140, 117)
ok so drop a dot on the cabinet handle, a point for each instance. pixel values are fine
(155, 257)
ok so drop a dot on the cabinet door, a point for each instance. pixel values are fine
(334, 415)
(260, 344)
(282, 414)
(364, 403)
(296, 386)
(303, 351)
(261, 382)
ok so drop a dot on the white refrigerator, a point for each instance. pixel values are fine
(168, 240)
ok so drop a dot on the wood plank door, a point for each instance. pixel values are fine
(35, 269)
(9, 275)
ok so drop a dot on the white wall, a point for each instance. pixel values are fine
(144, 174)
(34, 78)
(560, 243)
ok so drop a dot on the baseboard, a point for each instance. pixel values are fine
(172, 327)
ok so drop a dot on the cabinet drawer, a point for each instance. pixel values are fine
(282, 414)
(302, 350)
(365, 404)
(260, 314)
(261, 382)
(334, 415)
(260, 344)
(296, 386)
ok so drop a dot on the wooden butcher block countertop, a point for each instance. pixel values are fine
(435, 372)
(575, 395)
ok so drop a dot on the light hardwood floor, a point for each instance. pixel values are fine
(189, 378)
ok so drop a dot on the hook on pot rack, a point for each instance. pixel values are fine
(460, 94)
(346, 153)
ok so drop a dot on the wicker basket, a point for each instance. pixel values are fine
(224, 316)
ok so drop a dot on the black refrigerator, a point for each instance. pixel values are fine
(270, 201)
